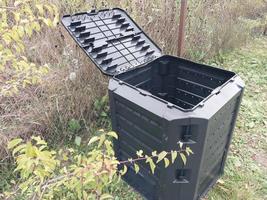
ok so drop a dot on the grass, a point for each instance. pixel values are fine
(245, 173)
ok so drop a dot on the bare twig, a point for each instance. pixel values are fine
(8, 7)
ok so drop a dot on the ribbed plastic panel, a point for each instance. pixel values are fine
(170, 100)
(217, 139)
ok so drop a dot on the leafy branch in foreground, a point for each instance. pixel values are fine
(69, 174)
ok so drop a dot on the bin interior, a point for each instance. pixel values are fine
(178, 81)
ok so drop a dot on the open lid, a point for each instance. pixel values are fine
(112, 40)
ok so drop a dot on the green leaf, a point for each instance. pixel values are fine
(49, 8)
(189, 151)
(113, 134)
(152, 166)
(74, 125)
(136, 168)
(140, 153)
(154, 153)
(20, 148)
(103, 114)
(180, 144)
(124, 170)
(109, 148)
(101, 140)
(36, 26)
(173, 155)
(93, 140)
(106, 196)
(7, 38)
(16, 16)
(167, 162)
(40, 8)
(38, 140)
(28, 29)
(71, 150)
(79, 159)
(14, 143)
(161, 156)
(78, 140)
(48, 22)
(183, 157)
(20, 30)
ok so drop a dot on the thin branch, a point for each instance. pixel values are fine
(144, 158)
(8, 7)
(42, 194)
(54, 180)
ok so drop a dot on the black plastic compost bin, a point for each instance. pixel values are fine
(157, 100)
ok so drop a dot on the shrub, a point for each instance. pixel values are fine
(69, 174)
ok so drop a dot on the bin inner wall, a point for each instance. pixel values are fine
(178, 81)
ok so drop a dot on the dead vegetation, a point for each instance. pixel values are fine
(67, 93)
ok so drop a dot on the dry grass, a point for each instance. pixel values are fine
(47, 108)
(212, 27)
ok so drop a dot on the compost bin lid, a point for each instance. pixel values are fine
(112, 40)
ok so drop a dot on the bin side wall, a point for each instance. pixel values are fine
(219, 134)
(138, 129)
(192, 132)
